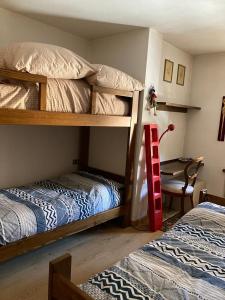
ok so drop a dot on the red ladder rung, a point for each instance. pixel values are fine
(153, 177)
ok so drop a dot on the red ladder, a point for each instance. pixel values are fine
(153, 177)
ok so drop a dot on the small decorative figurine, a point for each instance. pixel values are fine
(151, 100)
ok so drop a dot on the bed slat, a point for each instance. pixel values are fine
(36, 117)
(24, 76)
(116, 92)
(93, 100)
(42, 96)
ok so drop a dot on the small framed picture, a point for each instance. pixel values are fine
(168, 70)
(180, 74)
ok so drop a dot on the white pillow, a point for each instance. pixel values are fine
(44, 59)
(113, 78)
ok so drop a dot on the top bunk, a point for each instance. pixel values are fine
(43, 84)
(40, 116)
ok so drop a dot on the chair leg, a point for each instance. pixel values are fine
(192, 201)
(182, 206)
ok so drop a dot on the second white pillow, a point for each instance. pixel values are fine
(110, 77)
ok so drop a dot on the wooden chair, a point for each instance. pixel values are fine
(183, 188)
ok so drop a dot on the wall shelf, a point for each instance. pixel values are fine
(168, 106)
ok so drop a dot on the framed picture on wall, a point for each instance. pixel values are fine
(180, 74)
(168, 70)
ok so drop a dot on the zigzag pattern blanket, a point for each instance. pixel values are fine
(45, 205)
(187, 262)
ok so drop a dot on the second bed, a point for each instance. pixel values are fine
(45, 205)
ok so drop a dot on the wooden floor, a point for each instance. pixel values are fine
(26, 277)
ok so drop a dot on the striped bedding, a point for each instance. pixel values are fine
(187, 262)
(45, 205)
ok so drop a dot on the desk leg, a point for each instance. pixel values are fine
(182, 206)
(192, 201)
(170, 202)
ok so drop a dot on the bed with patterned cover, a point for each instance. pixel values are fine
(45, 205)
(187, 262)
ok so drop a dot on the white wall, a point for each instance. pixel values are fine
(172, 145)
(17, 28)
(128, 52)
(208, 88)
(30, 153)
(108, 149)
(172, 91)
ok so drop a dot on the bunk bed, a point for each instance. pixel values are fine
(41, 116)
(187, 262)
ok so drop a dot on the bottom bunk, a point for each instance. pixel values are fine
(38, 214)
(187, 262)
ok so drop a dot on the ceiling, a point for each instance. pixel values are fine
(85, 28)
(197, 26)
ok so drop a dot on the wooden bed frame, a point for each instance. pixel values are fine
(59, 283)
(84, 121)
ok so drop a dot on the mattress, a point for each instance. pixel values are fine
(187, 262)
(45, 205)
(62, 96)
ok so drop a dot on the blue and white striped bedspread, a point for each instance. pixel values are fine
(187, 262)
(27, 210)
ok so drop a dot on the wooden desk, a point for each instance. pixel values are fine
(173, 167)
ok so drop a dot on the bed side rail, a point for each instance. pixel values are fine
(24, 76)
(100, 89)
(42, 81)
(104, 90)
(106, 174)
(60, 285)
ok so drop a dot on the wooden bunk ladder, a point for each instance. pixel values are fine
(153, 177)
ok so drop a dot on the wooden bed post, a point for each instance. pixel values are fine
(130, 160)
(24, 76)
(60, 286)
(84, 147)
(93, 100)
(62, 266)
(42, 96)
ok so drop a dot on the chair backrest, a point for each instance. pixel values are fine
(191, 172)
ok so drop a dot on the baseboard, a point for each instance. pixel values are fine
(215, 199)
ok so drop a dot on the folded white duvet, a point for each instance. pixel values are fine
(62, 96)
